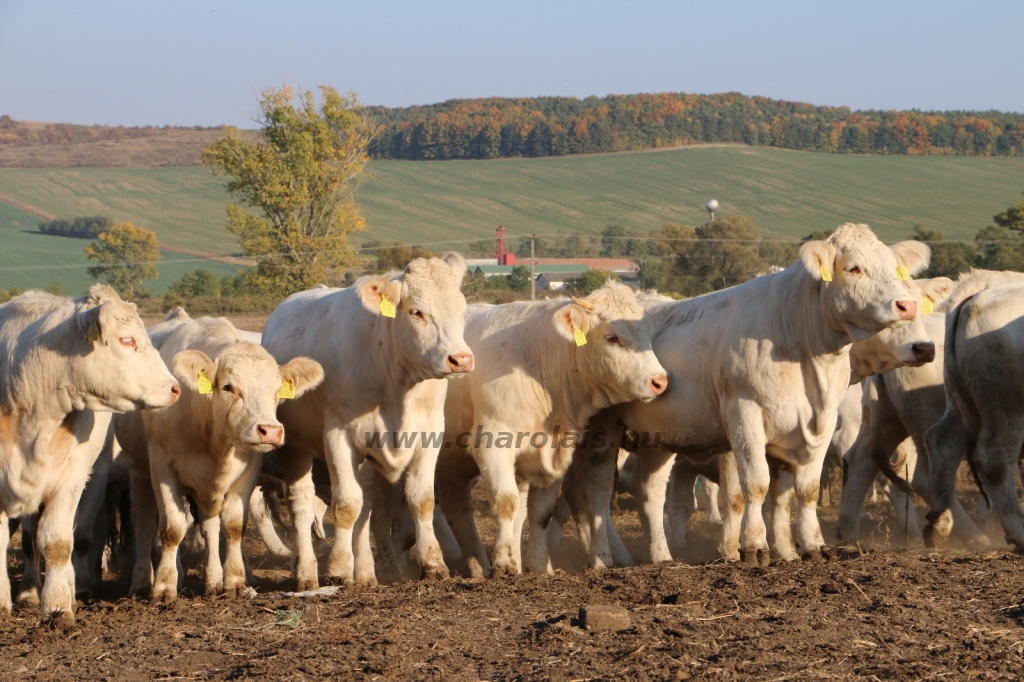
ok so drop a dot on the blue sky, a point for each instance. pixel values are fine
(204, 63)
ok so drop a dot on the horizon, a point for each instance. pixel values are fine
(205, 63)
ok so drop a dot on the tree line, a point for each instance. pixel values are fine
(89, 227)
(20, 133)
(554, 126)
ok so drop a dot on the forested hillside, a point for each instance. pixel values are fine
(555, 126)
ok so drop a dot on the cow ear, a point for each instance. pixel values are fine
(303, 373)
(101, 293)
(936, 288)
(374, 289)
(819, 258)
(189, 366)
(457, 263)
(571, 319)
(915, 256)
(92, 325)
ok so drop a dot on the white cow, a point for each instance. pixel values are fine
(543, 369)
(62, 361)
(760, 369)
(209, 446)
(387, 345)
(984, 382)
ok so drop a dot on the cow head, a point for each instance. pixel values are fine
(429, 315)
(612, 336)
(863, 289)
(906, 343)
(120, 369)
(243, 386)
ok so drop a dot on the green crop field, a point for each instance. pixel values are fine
(788, 194)
(29, 259)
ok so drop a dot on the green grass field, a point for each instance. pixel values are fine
(788, 194)
(29, 259)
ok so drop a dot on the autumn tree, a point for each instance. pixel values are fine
(1012, 218)
(293, 191)
(126, 256)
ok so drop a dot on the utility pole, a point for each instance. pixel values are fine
(533, 269)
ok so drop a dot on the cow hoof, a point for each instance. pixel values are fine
(214, 590)
(59, 619)
(813, 555)
(29, 598)
(435, 572)
(502, 570)
(932, 538)
(163, 595)
(306, 585)
(755, 557)
(364, 583)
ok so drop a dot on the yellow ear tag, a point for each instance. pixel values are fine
(95, 334)
(902, 273)
(204, 385)
(387, 308)
(581, 338)
(287, 391)
(826, 276)
(927, 306)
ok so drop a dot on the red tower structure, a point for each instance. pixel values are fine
(504, 257)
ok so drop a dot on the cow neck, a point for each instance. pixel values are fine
(389, 361)
(572, 401)
(815, 335)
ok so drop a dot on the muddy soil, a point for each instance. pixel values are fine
(878, 614)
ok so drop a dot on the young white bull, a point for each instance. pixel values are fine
(210, 446)
(543, 369)
(760, 369)
(60, 361)
(387, 344)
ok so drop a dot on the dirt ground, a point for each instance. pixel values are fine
(879, 614)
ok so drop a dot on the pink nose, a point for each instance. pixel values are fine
(907, 308)
(658, 384)
(460, 362)
(271, 434)
(175, 392)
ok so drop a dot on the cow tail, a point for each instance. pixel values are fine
(953, 369)
(881, 460)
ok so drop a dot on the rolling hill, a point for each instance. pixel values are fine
(448, 204)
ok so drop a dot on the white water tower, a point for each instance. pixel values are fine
(711, 206)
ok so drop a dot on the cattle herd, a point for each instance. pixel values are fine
(401, 398)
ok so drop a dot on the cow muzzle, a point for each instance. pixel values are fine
(658, 384)
(270, 434)
(458, 363)
(906, 308)
(923, 352)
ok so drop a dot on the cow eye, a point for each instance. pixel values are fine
(611, 338)
(129, 342)
(853, 270)
(228, 388)
(415, 312)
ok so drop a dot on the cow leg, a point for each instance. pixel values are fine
(541, 504)
(55, 537)
(497, 467)
(711, 495)
(558, 521)
(419, 494)
(381, 521)
(996, 459)
(346, 500)
(265, 525)
(588, 488)
(28, 589)
(455, 494)
(5, 581)
(87, 557)
(209, 526)
(144, 517)
(861, 471)
(732, 522)
(746, 433)
(681, 505)
(806, 480)
(946, 443)
(365, 573)
(520, 521)
(173, 523)
(297, 471)
(450, 549)
(232, 518)
(781, 491)
(650, 480)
